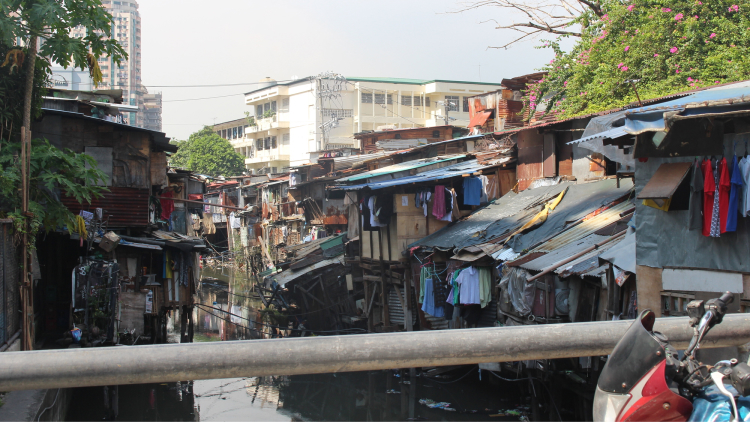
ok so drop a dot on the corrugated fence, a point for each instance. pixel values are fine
(9, 295)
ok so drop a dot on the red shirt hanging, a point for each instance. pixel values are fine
(709, 186)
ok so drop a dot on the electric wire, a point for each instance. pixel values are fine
(530, 379)
(451, 382)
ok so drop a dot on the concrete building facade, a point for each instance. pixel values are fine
(297, 121)
(152, 111)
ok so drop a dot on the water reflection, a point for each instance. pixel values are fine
(366, 396)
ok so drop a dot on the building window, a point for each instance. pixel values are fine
(273, 106)
(258, 110)
(285, 139)
(406, 100)
(381, 98)
(259, 144)
(366, 98)
(273, 170)
(240, 131)
(452, 102)
(273, 142)
(224, 133)
(436, 134)
(267, 143)
(466, 104)
(234, 133)
(418, 101)
(266, 107)
(426, 101)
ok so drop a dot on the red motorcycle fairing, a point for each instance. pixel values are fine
(652, 400)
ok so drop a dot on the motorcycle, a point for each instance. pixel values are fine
(645, 379)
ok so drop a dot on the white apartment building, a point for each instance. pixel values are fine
(296, 121)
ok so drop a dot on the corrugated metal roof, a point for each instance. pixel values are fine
(342, 163)
(399, 144)
(587, 262)
(507, 254)
(585, 228)
(407, 165)
(562, 252)
(286, 276)
(454, 170)
(613, 133)
(713, 100)
(510, 211)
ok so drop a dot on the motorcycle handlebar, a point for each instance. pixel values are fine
(727, 298)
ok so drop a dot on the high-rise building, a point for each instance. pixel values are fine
(151, 111)
(126, 29)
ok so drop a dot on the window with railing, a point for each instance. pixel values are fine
(451, 101)
(381, 98)
(366, 98)
(337, 112)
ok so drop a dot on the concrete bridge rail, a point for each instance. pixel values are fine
(311, 355)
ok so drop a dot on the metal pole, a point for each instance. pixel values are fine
(313, 355)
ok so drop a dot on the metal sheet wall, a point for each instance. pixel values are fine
(126, 207)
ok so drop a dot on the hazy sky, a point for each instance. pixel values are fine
(202, 42)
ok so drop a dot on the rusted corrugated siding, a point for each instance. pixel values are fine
(126, 207)
(530, 158)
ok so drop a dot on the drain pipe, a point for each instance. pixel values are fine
(315, 355)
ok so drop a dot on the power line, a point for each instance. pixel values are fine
(197, 86)
(197, 99)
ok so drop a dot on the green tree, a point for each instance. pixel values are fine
(661, 46)
(206, 152)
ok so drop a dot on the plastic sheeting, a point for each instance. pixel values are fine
(613, 152)
(664, 239)
(520, 292)
(622, 255)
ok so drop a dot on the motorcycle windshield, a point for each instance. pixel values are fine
(637, 352)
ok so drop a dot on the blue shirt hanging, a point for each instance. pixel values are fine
(734, 196)
(472, 190)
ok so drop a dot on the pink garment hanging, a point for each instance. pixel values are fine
(438, 202)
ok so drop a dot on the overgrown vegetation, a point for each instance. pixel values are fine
(661, 46)
(205, 152)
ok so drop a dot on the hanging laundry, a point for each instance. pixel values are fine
(485, 286)
(454, 205)
(709, 194)
(695, 212)
(468, 282)
(424, 274)
(428, 304)
(725, 185)
(234, 221)
(734, 196)
(485, 183)
(427, 197)
(745, 200)
(438, 204)
(449, 207)
(167, 206)
(472, 190)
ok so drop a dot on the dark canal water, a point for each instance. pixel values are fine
(362, 396)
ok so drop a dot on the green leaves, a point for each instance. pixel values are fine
(53, 20)
(53, 173)
(206, 152)
(668, 46)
